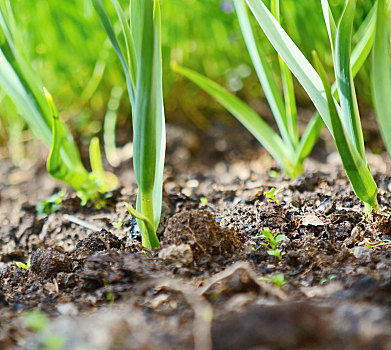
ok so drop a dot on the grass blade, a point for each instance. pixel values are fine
(309, 138)
(106, 22)
(288, 88)
(130, 48)
(381, 74)
(246, 116)
(264, 73)
(347, 95)
(357, 59)
(330, 24)
(292, 56)
(355, 166)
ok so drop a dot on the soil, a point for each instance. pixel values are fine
(212, 284)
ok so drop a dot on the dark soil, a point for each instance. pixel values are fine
(210, 285)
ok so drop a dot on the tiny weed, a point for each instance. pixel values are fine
(22, 265)
(36, 320)
(272, 196)
(51, 204)
(204, 200)
(117, 224)
(110, 297)
(327, 279)
(274, 173)
(272, 242)
(278, 280)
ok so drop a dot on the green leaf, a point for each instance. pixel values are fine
(245, 115)
(330, 24)
(343, 71)
(130, 48)
(76, 176)
(109, 28)
(148, 118)
(358, 57)
(276, 253)
(280, 238)
(264, 73)
(288, 88)
(381, 74)
(355, 166)
(292, 56)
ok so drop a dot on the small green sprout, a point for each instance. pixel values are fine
(36, 320)
(22, 265)
(327, 279)
(272, 195)
(117, 224)
(204, 200)
(277, 279)
(50, 204)
(272, 242)
(110, 297)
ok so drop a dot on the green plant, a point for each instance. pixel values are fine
(22, 265)
(50, 204)
(140, 57)
(24, 88)
(272, 241)
(381, 75)
(38, 322)
(117, 224)
(272, 195)
(289, 150)
(327, 279)
(341, 119)
(277, 279)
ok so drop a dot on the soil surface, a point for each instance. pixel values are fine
(213, 284)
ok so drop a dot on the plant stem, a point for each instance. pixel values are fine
(149, 237)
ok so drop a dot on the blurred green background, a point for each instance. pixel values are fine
(69, 49)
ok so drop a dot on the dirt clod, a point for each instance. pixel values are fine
(200, 230)
(47, 263)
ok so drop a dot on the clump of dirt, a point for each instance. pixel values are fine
(47, 263)
(199, 229)
(97, 241)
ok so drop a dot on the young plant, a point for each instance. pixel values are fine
(140, 57)
(24, 88)
(50, 204)
(342, 119)
(288, 149)
(272, 196)
(23, 265)
(277, 279)
(272, 241)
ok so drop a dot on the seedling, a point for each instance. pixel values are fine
(22, 265)
(50, 204)
(36, 106)
(204, 200)
(272, 196)
(140, 57)
(117, 224)
(327, 279)
(272, 241)
(278, 280)
(110, 296)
